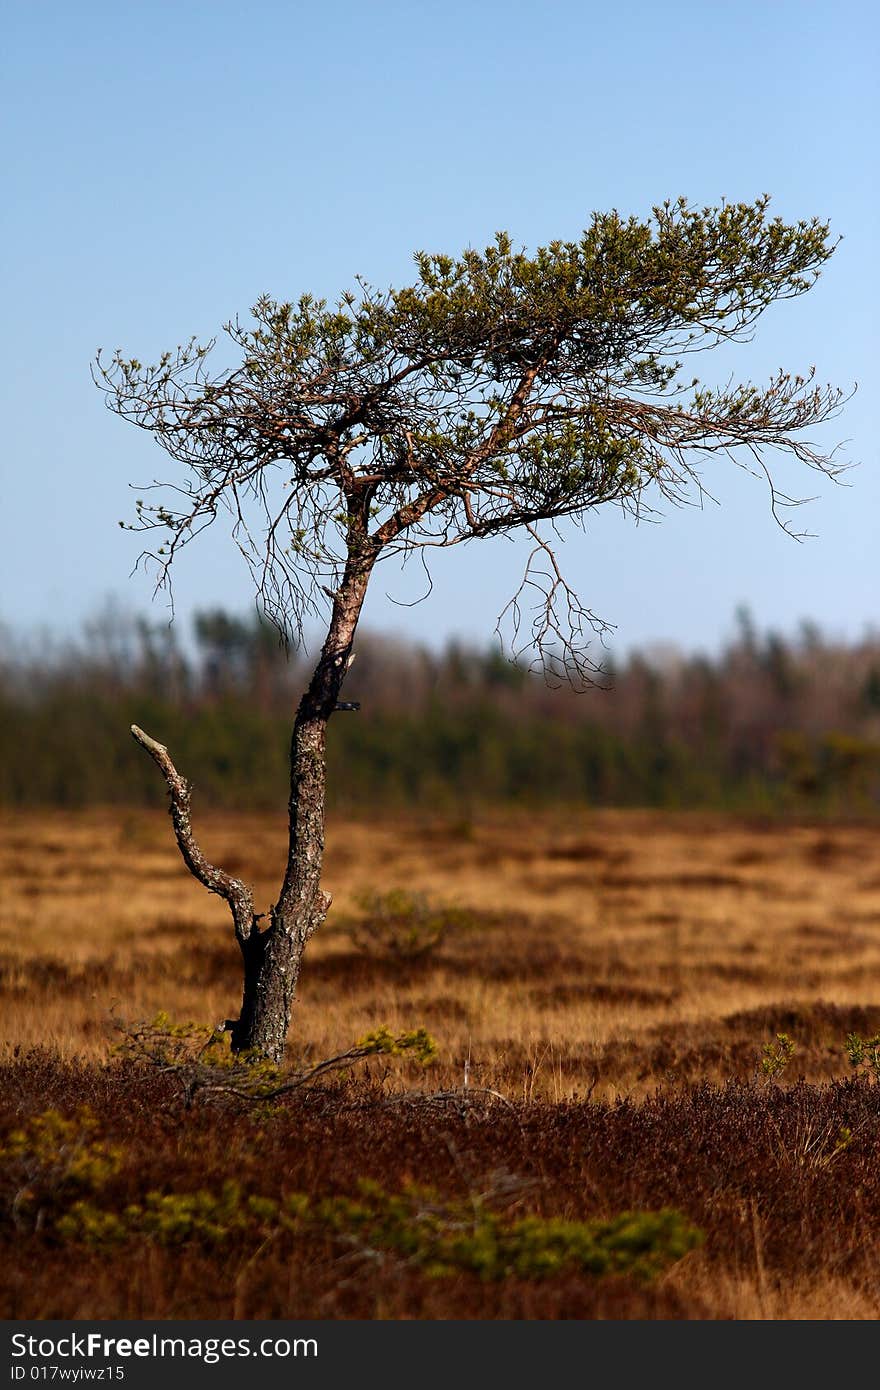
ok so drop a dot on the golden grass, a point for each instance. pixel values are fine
(600, 954)
(608, 950)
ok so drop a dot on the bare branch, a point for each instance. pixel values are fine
(237, 894)
(556, 626)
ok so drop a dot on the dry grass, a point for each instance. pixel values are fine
(648, 948)
(595, 956)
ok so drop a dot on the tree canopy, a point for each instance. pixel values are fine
(499, 392)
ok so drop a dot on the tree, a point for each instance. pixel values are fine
(498, 392)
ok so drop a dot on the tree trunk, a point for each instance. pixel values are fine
(272, 958)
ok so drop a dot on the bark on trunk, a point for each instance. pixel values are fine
(271, 971)
(272, 958)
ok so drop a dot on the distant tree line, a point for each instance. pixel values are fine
(771, 723)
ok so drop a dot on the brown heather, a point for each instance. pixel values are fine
(614, 976)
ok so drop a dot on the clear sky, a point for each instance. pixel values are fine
(168, 162)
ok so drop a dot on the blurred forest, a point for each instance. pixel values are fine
(770, 724)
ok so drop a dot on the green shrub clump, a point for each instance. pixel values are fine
(864, 1054)
(174, 1218)
(413, 1225)
(52, 1160)
(446, 1239)
(400, 925)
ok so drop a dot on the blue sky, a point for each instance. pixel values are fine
(167, 163)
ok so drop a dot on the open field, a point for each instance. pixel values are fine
(614, 976)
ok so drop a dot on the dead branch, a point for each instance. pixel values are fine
(237, 894)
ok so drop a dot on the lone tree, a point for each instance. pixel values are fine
(498, 392)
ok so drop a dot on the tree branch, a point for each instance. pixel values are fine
(237, 894)
(409, 515)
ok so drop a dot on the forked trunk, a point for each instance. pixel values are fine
(272, 958)
(271, 970)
